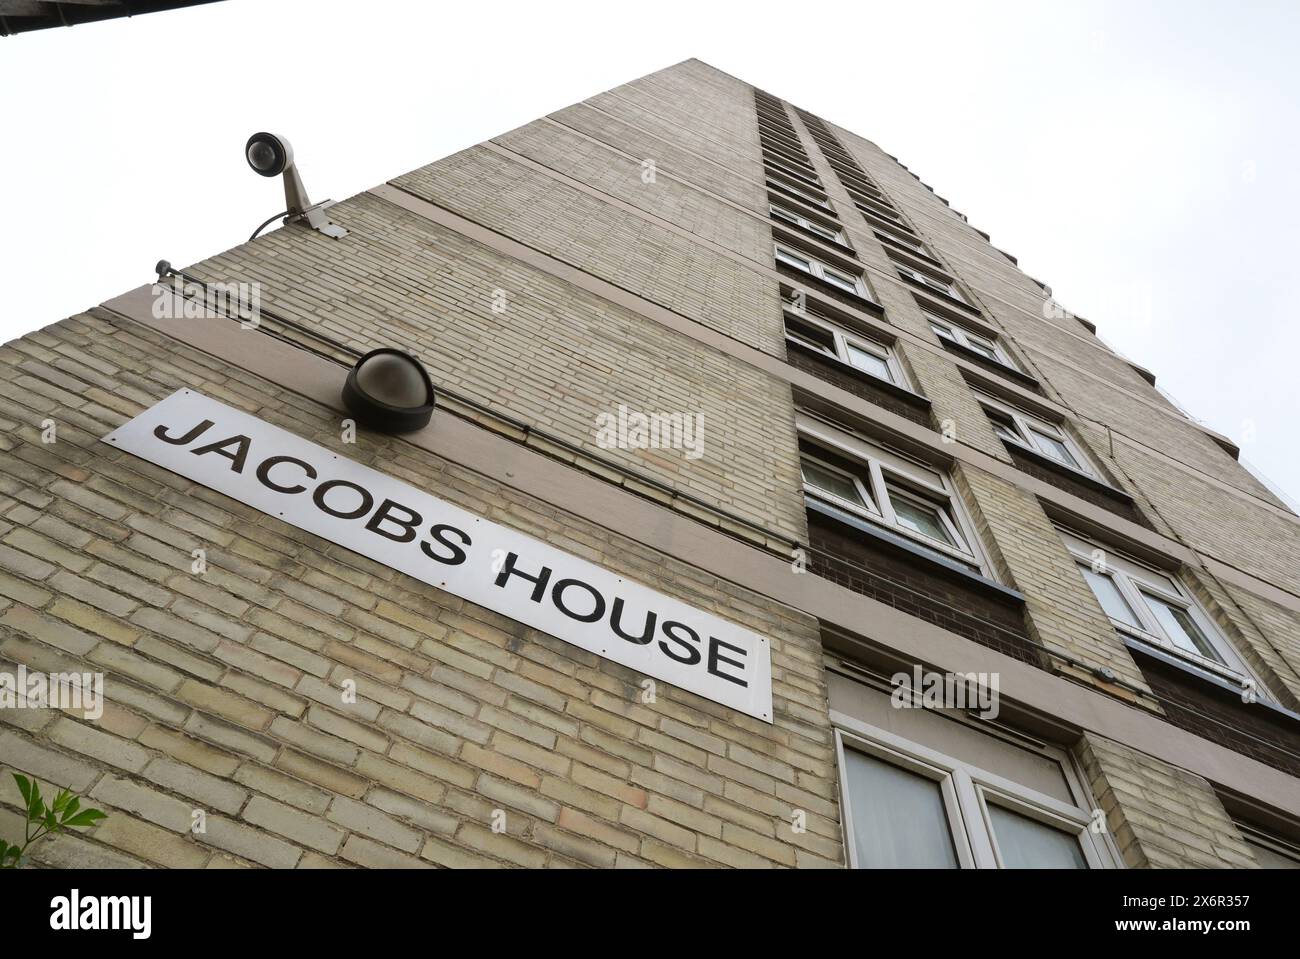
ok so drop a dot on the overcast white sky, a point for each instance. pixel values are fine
(1140, 157)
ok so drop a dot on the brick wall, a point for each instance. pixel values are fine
(223, 689)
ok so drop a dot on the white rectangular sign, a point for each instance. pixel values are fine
(394, 523)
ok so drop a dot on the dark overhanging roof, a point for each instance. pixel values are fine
(21, 16)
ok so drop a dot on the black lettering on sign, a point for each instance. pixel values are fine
(598, 601)
(439, 533)
(264, 473)
(236, 457)
(367, 500)
(385, 515)
(540, 580)
(716, 657)
(194, 433)
(692, 654)
(616, 623)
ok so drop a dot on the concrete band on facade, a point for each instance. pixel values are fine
(222, 687)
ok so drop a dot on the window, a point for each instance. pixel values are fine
(791, 170)
(946, 287)
(812, 226)
(784, 161)
(1156, 610)
(777, 183)
(901, 239)
(829, 482)
(858, 351)
(816, 268)
(920, 516)
(1023, 429)
(1271, 851)
(980, 344)
(901, 816)
(870, 204)
(904, 497)
(909, 806)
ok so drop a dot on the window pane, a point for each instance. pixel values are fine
(1181, 629)
(829, 481)
(813, 335)
(1054, 448)
(840, 280)
(982, 347)
(868, 362)
(941, 330)
(1007, 431)
(899, 820)
(1108, 594)
(1029, 844)
(920, 518)
(784, 215)
(823, 231)
(799, 263)
(1269, 858)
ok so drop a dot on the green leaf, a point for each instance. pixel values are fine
(61, 799)
(24, 787)
(71, 808)
(36, 805)
(87, 817)
(51, 821)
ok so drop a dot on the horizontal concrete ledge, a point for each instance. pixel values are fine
(672, 534)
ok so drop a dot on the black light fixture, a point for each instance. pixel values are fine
(390, 392)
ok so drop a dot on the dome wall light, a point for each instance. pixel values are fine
(390, 392)
(271, 155)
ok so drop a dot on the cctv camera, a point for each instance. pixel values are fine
(271, 155)
(268, 154)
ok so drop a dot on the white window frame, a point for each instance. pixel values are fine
(790, 154)
(777, 183)
(1132, 579)
(772, 163)
(1025, 429)
(871, 203)
(907, 242)
(815, 227)
(945, 329)
(816, 268)
(879, 469)
(946, 287)
(773, 131)
(967, 791)
(843, 339)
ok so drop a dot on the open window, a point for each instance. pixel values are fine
(906, 498)
(985, 346)
(860, 352)
(833, 276)
(1024, 429)
(1154, 609)
(818, 228)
